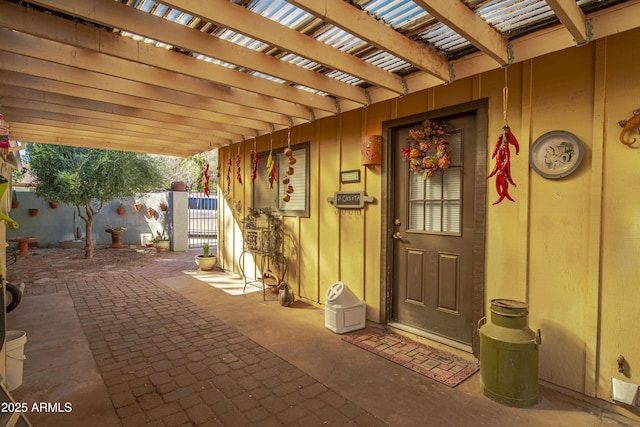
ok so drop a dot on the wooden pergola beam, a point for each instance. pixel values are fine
(229, 15)
(47, 135)
(358, 23)
(115, 90)
(572, 17)
(456, 15)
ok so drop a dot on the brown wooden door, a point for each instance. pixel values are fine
(433, 230)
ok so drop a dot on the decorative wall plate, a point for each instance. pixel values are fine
(556, 154)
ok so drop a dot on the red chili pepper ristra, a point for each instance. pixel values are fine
(229, 174)
(238, 171)
(254, 171)
(502, 168)
(205, 174)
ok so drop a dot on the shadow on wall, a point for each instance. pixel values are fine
(562, 358)
(291, 254)
(53, 225)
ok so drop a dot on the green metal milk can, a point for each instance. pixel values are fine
(509, 355)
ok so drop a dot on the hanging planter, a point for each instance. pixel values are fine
(120, 209)
(152, 212)
(137, 206)
(53, 205)
(33, 212)
(163, 207)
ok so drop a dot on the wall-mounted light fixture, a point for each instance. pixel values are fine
(371, 150)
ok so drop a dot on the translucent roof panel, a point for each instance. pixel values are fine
(509, 15)
(512, 18)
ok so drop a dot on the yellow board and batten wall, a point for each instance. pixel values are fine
(567, 246)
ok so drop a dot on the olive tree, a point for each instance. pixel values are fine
(87, 178)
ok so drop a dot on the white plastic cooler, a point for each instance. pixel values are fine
(343, 311)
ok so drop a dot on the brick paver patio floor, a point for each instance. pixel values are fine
(167, 362)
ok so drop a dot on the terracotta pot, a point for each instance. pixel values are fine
(53, 205)
(33, 212)
(178, 186)
(15, 204)
(137, 206)
(120, 211)
(163, 207)
(152, 212)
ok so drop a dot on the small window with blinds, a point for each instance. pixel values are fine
(289, 194)
(435, 203)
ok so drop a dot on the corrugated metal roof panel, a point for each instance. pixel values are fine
(510, 17)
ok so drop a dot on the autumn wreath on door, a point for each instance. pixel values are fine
(428, 150)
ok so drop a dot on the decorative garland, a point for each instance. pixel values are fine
(421, 138)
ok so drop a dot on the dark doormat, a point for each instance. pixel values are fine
(433, 363)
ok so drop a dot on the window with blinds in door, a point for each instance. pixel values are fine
(435, 203)
(266, 197)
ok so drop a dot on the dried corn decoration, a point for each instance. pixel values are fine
(271, 164)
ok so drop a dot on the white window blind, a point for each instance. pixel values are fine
(266, 197)
(435, 202)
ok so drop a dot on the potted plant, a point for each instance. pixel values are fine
(163, 207)
(14, 200)
(152, 212)
(120, 209)
(206, 261)
(33, 211)
(53, 205)
(161, 242)
(137, 206)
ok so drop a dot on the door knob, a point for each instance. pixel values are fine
(397, 222)
(397, 235)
